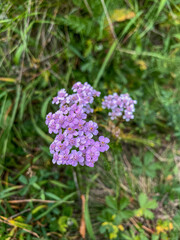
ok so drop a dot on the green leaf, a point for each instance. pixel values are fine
(52, 196)
(155, 237)
(111, 202)
(18, 53)
(62, 222)
(32, 180)
(123, 215)
(38, 208)
(123, 203)
(142, 199)
(59, 184)
(151, 204)
(148, 214)
(24, 190)
(36, 186)
(23, 179)
(148, 158)
(137, 161)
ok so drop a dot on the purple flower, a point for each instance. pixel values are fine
(121, 105)
(62, 94)
(55, 158)
(74, 143)
(64, 109)
(55, 100)
(80, 125)
(59, 137)
(61, 119)
(76, 86)
(52, 147)
(60, 97)
(60, 146)
(103, 144)
(70, 130)
(91, 127)
(49, 118)
(63, 157)
(80, 113)
(85, 140)
(75, 157)
(53, 127)
(92, 155)
(87, 109)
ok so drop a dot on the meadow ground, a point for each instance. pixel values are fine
(133, 191)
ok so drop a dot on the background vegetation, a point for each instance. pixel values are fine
(117, 46)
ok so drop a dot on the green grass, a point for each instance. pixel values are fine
(49, 45)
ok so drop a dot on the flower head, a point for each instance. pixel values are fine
(121, 105)
(103, 144)
(74, 143)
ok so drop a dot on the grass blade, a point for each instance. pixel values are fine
(86, 210)
(4, 79)
(161, 6)
(56, 205)
(107, 58)
(47, 138)
(88, 219)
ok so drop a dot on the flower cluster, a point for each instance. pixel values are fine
(83, 95)
(74, 143)
(121, 105)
